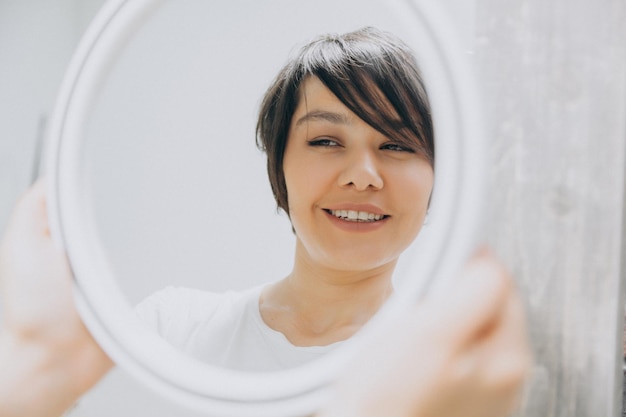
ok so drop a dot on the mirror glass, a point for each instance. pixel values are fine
(165, 183)
(179, 188)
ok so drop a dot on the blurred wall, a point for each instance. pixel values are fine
(553, 75)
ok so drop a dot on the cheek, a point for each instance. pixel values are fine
(413, 195)
(291, 176)
(295, 183)
(307, 178)
(417, 185)
(300, 187)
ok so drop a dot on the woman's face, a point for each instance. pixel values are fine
(356, 198)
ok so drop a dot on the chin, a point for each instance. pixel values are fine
(361, 263)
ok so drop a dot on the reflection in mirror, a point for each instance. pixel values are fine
(184, 206)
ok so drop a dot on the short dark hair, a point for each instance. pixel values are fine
(371, 72)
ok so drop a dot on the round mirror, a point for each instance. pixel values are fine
(156, 182)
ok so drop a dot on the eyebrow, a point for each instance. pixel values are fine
(323, 115)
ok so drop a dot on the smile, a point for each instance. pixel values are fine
(356, 216)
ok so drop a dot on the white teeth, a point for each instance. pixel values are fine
(356, 216)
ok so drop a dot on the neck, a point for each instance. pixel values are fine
(319, 305)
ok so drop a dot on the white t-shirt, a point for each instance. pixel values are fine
(224, 329)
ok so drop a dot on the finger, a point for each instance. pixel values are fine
(472, 304)
(29, 215)
(506, 354)
(500, 360)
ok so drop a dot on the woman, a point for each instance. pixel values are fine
(351, 163)
(348, 134)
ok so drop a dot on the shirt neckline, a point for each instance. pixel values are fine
(253, 307)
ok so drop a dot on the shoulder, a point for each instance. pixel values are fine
(195, 320)
(189, 305)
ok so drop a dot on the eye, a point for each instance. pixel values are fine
(396, 147)
(323, 142)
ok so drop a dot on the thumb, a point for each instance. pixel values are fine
(29, 215)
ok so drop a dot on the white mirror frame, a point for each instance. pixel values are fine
(453, 222)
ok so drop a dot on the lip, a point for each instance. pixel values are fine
(358, 227)
(370, 208)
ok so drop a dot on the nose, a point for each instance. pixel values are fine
(361, 172)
